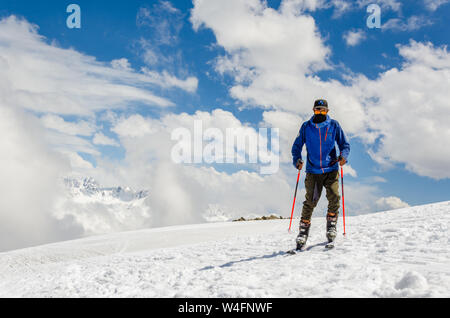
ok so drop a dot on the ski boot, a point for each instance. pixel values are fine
(331, 226)
(303, 236)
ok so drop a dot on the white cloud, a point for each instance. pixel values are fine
(353, 38)
(433, 5)
(101, 139)
(425, 54)
(272, 57)
(411, 24)
(80, 128)
(270, 71)
(301, 5)
(341, 7)
(184, 193)
(48, 79)
(163, 21)
(190, 84)
(67, 143)
(77, 163)
(54, 82)
(376, 179)
(406, 108)
(253, 32)
(121, 64)
(29, 174)
(134, 126)
(348, 170)
(391, 203)
(289, 125)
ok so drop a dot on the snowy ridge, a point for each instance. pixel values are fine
(89, 187)
(101, 210)
(401, 253)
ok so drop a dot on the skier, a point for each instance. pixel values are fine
(320, 134)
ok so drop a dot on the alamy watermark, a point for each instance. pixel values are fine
(74, 19)
(238, 145)
(374, 19)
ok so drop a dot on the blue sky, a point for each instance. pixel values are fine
(111, 30)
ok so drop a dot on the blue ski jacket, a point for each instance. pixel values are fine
(320, 140)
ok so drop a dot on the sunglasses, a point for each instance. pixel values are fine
(322, 111)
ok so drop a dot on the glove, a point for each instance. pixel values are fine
(299, 164)
(342, 161)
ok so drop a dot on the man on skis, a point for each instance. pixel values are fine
(320, 134)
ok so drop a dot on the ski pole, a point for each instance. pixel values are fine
(343, 200)
(295, 196)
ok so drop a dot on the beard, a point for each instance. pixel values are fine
(319, 118)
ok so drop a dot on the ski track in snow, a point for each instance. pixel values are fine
(402, 253)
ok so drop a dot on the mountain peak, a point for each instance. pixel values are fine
(88, 186)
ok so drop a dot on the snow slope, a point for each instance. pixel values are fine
(401, 253)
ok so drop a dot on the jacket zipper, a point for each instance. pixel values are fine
(320, 139)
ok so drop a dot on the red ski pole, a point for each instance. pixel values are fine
(295, 196)
(343, 200)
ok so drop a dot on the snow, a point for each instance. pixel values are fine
(400, 253)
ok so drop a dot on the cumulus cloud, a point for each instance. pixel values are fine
(184, 193)
(258, 32)
(391, 203)
(49, 101)
(348, 170)
(121, 64)
(272, 65)
(402, 108)
(274, 69)
(289, 125)
(29, 175)
(353, 38)
(60, 83)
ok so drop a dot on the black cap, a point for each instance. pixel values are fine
(321, 103)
